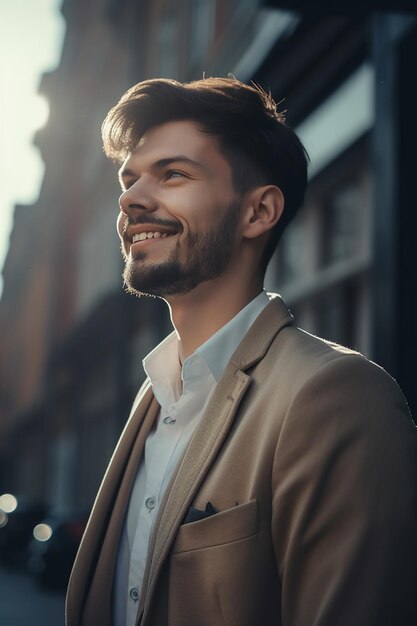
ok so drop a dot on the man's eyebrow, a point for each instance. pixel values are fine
(178, 158)
(161, 163)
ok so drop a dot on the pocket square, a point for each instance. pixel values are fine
(193, 514)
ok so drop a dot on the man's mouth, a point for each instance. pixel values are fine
(150, 235)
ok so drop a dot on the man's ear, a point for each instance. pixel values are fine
(263, 209)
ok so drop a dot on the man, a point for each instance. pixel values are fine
(265, 476)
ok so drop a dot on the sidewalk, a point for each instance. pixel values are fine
(22, 602)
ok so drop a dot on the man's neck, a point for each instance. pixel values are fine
(199, 314)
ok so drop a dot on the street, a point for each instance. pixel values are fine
(22, 602)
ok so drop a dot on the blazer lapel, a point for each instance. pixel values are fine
(201, 452)
(208, 440)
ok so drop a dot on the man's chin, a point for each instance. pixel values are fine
(158, 281)
(133, 291)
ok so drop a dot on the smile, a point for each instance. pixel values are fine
(150, 235)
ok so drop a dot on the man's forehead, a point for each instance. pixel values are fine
(182, 140)
(185, 131)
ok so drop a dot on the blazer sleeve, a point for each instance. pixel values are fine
(344, 502)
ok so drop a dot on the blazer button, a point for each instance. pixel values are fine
(134, 594)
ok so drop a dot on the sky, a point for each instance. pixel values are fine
(31, 37)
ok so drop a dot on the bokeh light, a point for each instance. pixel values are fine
(8, 503)
(42, 532)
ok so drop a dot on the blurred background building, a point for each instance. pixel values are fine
(73, 340)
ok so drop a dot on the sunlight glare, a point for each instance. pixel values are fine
(39, 112)
(31, 37)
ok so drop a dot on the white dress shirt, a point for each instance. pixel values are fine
(183, 394)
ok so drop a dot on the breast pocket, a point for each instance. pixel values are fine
(234, 524)
(217, 570)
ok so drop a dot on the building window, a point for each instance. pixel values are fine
(323, 263)
(342, 224)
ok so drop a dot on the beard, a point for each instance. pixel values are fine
(208, 256)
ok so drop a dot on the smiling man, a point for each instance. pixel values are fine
(265, 476)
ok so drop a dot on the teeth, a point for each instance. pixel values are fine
(149, 235)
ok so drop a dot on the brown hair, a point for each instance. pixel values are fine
(253, 135)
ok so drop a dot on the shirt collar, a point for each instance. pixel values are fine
(162, 365)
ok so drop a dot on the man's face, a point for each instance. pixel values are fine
(178, 211)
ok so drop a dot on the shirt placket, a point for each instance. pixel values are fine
(160, 449)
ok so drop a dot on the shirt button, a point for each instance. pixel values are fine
(134, 594)
(169, 420)
(150, 503)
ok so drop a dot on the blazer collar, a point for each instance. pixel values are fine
(208, 439)
(261, 334)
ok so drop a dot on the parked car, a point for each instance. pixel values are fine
(16, 527)
(54, 546)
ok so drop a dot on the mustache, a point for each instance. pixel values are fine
(150, 219)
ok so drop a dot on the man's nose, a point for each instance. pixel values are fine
(136, 199)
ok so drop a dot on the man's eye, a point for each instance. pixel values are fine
(174, 174)
(127, 185)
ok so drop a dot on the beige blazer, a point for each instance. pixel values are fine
(309, 454)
